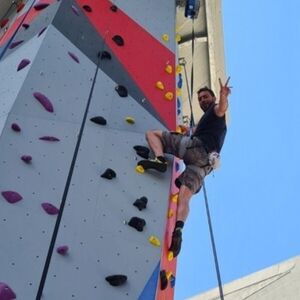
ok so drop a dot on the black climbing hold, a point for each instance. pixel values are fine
(178, 183)
(118, 40)
(87, 8)
(141, 203)
(105, 55)
(40, 6)
(114, 8)
(116, 280)
(98, 120)
(109, 174)
(142, 151)
(163, 280)
(15, 127)
(121, 90)
(26, 26)
(137, 223)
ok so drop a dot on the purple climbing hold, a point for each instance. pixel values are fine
(49, 138)
(41, 32)
(15, 127)
(26, 26)
(44, 101)
(74, 57)
(24, 62)
(6, 293)
(11, 197)
(62, 250)
(41, 5)
(87, 8)
(50, 209)
(75, 10)
(26, 158)
(15, 44)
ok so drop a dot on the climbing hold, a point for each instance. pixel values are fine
(114, 8)
(49, 138)
(11, 197)
(179, 83)
(165, 37)
(74, 57)
(170, 213)
(141, 203)
(44, 101)
(62, 250)
(116, 280)
(26, 158)
(15, 44)
(142, 151)
(105, 55)
(174, 198)
(170, 255)
(109, 174)
(177, 183)
(178, 92)
(49, 208)
(41, 32)
(172, 280)
(3, 22)
(169, 274)
(6, 293)
(15, 127)
(130, 120)
(40, 6)
(118, 40)
(160, 85)
(75, 10)
(20, 6)
(87, 8)
(121, 90)
(154, 241)
(137, 223)
(169, 96)
(140, 169)
(178, 69)
(163, 280)
(99, 120)
(23, 64)
(169, 69)
(178, 38)
(177, 166)
(26, 26)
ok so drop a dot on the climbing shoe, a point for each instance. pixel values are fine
(176, 242)
(159, 164)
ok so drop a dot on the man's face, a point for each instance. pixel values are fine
(205, 100)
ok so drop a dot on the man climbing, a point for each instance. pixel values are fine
(197, 151)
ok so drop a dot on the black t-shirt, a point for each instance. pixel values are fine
(211, 130)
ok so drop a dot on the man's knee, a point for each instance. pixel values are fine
(153, 133)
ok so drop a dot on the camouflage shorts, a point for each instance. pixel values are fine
(194, 155)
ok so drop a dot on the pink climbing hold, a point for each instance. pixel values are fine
(42, 31)
(26, 158)
(62, 250)
(41, 5)
(49, 138)
(6, 293)
(74, 57)
(15, 127)
(3, 22)
(50, 209)
(24, 62)
(15, 44)
(44, 101)
(11, 197)
(75, 10)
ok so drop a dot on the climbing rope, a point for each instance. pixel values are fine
(192, 123)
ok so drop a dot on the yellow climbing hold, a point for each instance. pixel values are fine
(165, 37)
(178, 38)
(140, 169)
(178, 69)
(160, 85)
(178, 91)
(170, 213)
(169, 274)
(169, 69)
(170, 255)
(174, 198)
(154, 241)
(169, 96)
(130, 120)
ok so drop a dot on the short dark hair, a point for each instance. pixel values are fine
(203, 89)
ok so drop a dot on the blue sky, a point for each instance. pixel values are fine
(254, 199)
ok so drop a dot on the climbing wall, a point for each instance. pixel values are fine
(80, 83)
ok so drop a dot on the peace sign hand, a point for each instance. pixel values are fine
(225, 90)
